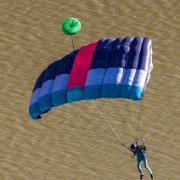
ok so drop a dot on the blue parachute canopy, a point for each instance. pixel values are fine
(105, 68)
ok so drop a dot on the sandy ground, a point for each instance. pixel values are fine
(74, 141)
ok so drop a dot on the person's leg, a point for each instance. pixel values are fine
(139, 163)
(148, 168)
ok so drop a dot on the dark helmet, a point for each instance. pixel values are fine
(132, 147)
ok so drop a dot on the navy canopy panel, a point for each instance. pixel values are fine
(106, 68)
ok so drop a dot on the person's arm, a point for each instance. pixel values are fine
(143, 147)
(134, 154)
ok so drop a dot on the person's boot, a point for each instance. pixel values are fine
(151, 176)
(141, 176)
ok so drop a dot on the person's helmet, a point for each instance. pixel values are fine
(132, 147)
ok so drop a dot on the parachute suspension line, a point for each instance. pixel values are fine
(135, 116)
(132, 119)
(125, 120)
(112, 129)
(141, 128)
(72, 42)
(138, 123)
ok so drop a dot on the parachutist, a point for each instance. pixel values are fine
(139, 150)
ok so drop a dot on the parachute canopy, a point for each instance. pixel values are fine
(105, 68)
